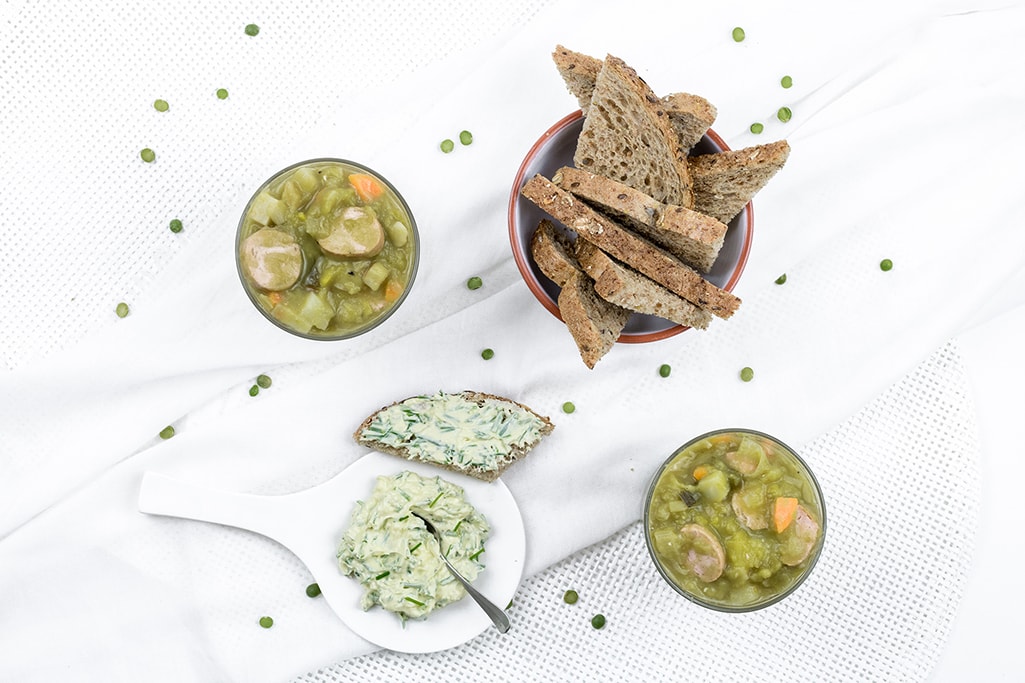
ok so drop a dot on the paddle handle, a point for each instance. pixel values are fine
(163, 495)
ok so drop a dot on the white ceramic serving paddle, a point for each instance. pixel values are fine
(310, 524)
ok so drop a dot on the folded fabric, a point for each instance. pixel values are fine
(871, 176)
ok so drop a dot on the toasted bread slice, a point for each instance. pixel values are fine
(470, 432)
(693, 237)
(579, 71)
(726, 181)
(690, 115)
(627, 136)
(594, 322)
(625, 287)
(630, 248)
(553, 253)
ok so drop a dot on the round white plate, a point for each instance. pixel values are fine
(453, 624)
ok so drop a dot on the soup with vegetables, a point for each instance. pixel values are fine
(327, 249)
(735, 520)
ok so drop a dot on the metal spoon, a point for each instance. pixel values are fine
(498, 617)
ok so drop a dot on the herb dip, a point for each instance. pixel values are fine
(390, 552)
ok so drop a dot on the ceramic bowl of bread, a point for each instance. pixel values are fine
(631, 220)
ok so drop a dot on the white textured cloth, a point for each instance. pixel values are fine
(905, 136)
(878, 606)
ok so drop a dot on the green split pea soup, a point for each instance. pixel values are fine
(327, 249)
(734, 520)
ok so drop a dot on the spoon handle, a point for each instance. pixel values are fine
(498, 617)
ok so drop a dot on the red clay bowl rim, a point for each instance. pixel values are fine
(524, 267)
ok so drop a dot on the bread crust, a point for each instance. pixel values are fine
(693, 237)
(623, 286)
(630, 248)
(594, 323)
(553, 253)
(478, 397)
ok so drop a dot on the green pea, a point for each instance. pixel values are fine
(175, 225)
(254, 390)
(738, 34)
(160, 105)
(474, 283)
(447, 146)
(784, 114)
(886, 264)
(465, 137)
(148, 155)
(781, 279)
(757, 128)
(747, 374)
(252, 29)
(266, 622)
(570, 597)
(222, 94)
(121, 310)
(313, 590)
(167, 432)
(263, 381)
(487, 354)
(598, 621)
(568, 407)
(664, 370)
(786, 81)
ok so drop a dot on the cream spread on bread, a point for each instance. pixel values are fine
(451, 429)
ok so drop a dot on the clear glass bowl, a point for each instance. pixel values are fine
(804, 568)
(259, 297)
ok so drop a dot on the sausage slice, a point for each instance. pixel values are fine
(703, 554)
(355, 234)
(271, 259)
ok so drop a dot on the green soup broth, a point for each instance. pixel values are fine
(735, 520)
(327, 249)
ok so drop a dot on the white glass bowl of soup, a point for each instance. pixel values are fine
(734, 520)
(327, 249)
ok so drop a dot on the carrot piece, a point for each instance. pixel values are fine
(275, 298)
(392, 291)
(366, 186)
(783, 512)
(699, 472)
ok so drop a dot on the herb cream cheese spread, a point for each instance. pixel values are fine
(451, 429)
(393, 556)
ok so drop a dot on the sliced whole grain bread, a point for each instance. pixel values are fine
(627, 136)
(579, 71)
(690, 115)
(625, 287)
(725, 182)
(553, 253)
(693, 237)
(594, 322)
(432, 429)
(634, 250)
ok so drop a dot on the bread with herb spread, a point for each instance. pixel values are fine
(470, 432)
